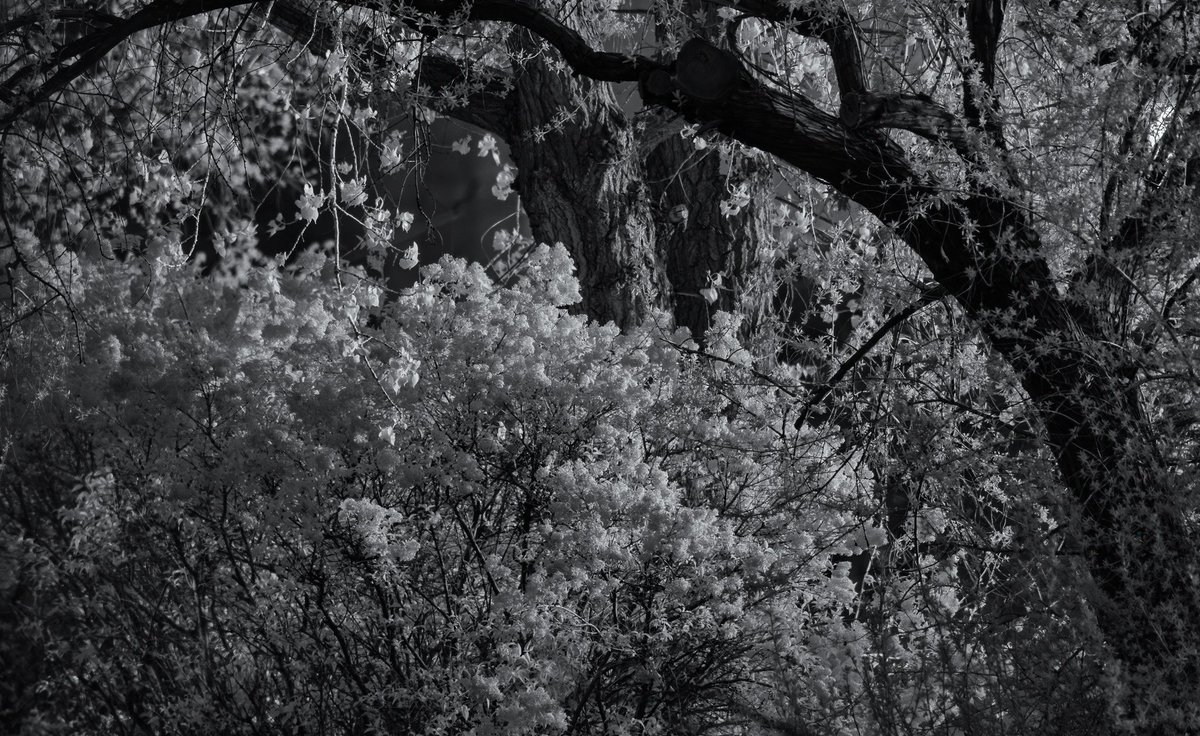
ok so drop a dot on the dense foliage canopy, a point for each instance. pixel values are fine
(842, 379)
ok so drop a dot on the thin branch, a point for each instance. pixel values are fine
(717, 358)
(29, 313)
(928, 296)
(90, 49)
(1168, 173)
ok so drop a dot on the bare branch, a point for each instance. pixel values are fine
(928, 296)
(915, 113)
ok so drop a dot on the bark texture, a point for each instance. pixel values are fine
(702, 247)
(581, 184)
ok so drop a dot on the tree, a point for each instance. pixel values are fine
(1029, 168)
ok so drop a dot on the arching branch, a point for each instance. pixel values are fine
(928, 296)
(917, 114)
(40, 80)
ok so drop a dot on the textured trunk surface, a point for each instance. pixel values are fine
(581, 183)
(697, 241)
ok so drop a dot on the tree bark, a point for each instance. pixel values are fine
(581, 184)
(982, 251)
(702, 247)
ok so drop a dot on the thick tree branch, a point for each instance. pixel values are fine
(917, 114)
(985, 19)
(830, 23)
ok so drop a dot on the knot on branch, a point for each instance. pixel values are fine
(705, 71)
(657, 83)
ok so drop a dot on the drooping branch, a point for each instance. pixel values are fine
(22, 90)
(485, 103)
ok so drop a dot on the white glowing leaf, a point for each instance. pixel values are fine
(409, 257)
(354, 192)
(309, 202)
(487, 147)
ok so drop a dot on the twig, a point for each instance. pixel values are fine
(930, 295)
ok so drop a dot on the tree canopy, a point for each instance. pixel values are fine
(832, 370)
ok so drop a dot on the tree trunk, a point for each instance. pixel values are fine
(981, 250)
(581, 183)
(704, 248)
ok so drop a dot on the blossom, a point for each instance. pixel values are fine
(309, 203)
(391, 154)
(409, 257)
(739, 197)
(504, 182)
(487, 147)
(354, 192)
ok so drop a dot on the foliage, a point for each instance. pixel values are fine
(923, 463)
(474, 516)
(243, 510)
